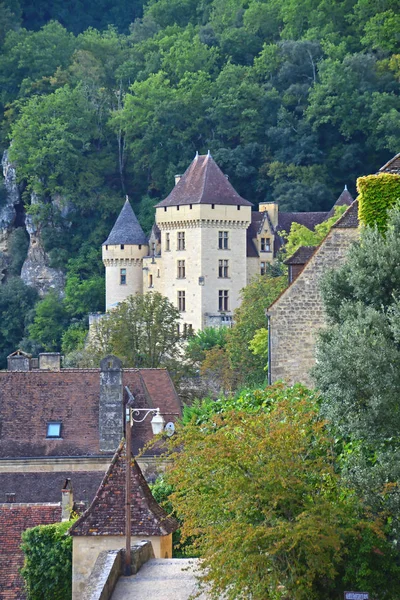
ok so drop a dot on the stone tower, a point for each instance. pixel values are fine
(123, 253)
(203, 225)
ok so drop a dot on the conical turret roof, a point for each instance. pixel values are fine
(203, 183)
(127, 229)
(345, 199)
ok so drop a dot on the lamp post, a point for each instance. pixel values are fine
(157, 425)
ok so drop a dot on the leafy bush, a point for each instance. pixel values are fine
(47, 569)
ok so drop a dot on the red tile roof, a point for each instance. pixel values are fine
(203, 183)
(106, 514)
(14, 519)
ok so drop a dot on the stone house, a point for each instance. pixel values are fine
(297, 314)
(205, 246)
(102, 526)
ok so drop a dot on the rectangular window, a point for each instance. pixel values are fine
(122, 246)
(181, 240)
(167, 242)
(181, 301)
(122, 276)
(181, 269)
(187, 330)
(263, 268)
(265, 245)
(223, 268)
(223, 240)
(54, 430)
(150, 280)
(223, 297)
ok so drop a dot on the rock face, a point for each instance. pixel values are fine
(7, 211)
(36, 271)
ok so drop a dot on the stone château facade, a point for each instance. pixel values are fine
(205, 246)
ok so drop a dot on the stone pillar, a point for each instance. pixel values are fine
(111, 404)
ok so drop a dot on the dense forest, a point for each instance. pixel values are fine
(294, 99)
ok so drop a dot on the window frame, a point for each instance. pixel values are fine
(180, 240)
(181, 296)
(265, 244)
(122, 276)
(223, 240)
(223, 300)
(49, 424)
(181, 269)
(223, 268)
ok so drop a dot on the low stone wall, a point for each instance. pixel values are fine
(109, 566)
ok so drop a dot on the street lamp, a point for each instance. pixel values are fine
(157, 425)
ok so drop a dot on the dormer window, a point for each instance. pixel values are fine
(265, 245)
(212, 205)
(238, 207)
(54, 430)
(122, 246)
(140, 246)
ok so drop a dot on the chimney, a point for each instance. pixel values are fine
(50, 361)
(177, 178)
(67, 501)
(19, 361)
(111, 408)
(10, 497)
(272, 208)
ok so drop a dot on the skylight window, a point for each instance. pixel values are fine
(54, 429)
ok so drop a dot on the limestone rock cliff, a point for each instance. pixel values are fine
(36, 271)
(8, 211)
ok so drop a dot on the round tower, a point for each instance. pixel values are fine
(123, 253)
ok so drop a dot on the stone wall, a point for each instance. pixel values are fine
(86, 549)
(298, 314)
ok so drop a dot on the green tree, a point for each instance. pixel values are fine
(268, 514)
(16, 303)
(204, 340)
(248, 318)
(358, 364)
(300, 235)
(47, 569)
(143, 331)
(49, 322)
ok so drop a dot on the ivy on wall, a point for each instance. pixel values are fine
(47, 569)
(377, 194)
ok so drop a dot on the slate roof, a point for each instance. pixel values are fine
(45, 486)
(349, 219)
(127, 229)
(14, 519)
(308, 219)
(345, 199)
(392, 166)
(301, 256)
(106, 514)
(257, 219)
(72, 396)
(203, 183)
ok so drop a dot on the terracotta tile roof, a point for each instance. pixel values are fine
(71, 396)
(392, 166)
(345, 199)
(14, 519)
(301, 256)
(308, 219)
(349, 219)
(106, 514)
(46, 486)
(203, 183)
(127, 229)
